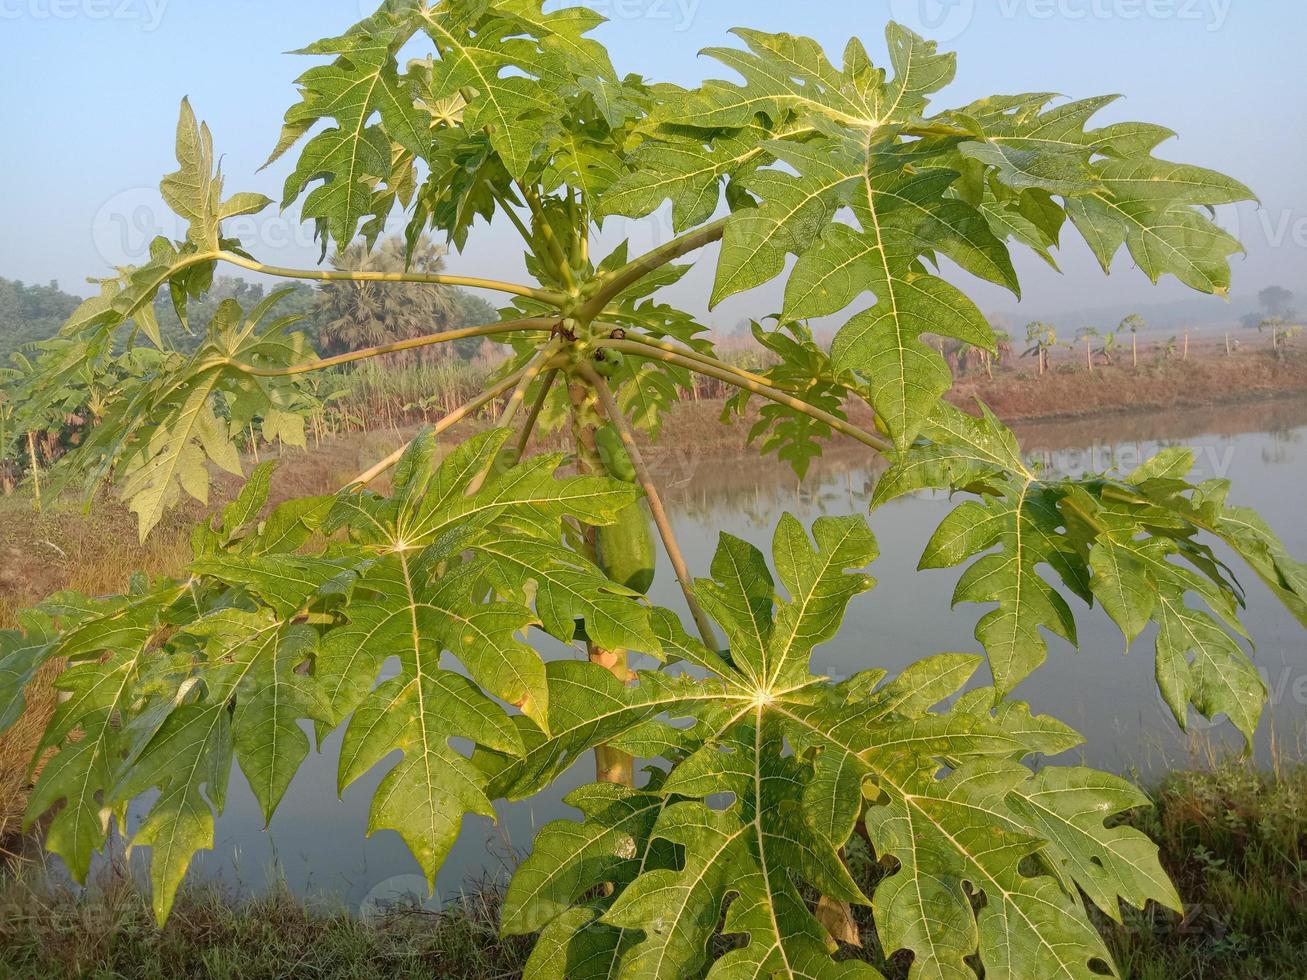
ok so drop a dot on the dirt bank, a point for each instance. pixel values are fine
(1069, 390)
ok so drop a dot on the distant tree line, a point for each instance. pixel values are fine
(31, 313)
(1275, 302)
(1277, 316)
(335, 316)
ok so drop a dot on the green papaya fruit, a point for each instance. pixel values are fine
(616, 460)
(504, 461)
(626, 550)
(608, 362)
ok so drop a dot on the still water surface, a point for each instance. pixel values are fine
(317, 843)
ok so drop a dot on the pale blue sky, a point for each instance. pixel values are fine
(90, 92)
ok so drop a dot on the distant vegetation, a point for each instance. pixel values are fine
(31, 313)
(39, 424)
(334, 316)
(1274, 302)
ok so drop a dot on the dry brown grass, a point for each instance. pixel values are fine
(16, 749)
(62, 548)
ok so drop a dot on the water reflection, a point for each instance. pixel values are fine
(318, 844)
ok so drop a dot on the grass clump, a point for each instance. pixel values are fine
(1234, 840)
(50, 929)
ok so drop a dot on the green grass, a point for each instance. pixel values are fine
(1233, 839)
(50, 930)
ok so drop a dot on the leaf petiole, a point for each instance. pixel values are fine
(414, 343)
(878, 443)
(619, 280)
(547, 296)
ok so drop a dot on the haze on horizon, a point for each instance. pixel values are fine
(92, 87)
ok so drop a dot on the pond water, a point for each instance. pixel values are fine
(317, 845)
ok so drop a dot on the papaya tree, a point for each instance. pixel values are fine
(1134, 323)
(731, 777)
(1088, 335)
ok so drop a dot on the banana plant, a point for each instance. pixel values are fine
(731, 775)
(1281, 330)
(1107, 349)
(1042, 337)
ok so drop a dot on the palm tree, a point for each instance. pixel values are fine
(1134, 323)
(361, 314)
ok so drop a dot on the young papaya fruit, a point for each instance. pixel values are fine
(616, 460)
(626, 549)
(504, 461)
(608, 362)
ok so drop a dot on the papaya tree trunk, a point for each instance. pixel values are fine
(611, 765)
(1134, 349)
(36, 469)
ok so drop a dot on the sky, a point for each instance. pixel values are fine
(89, 91)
